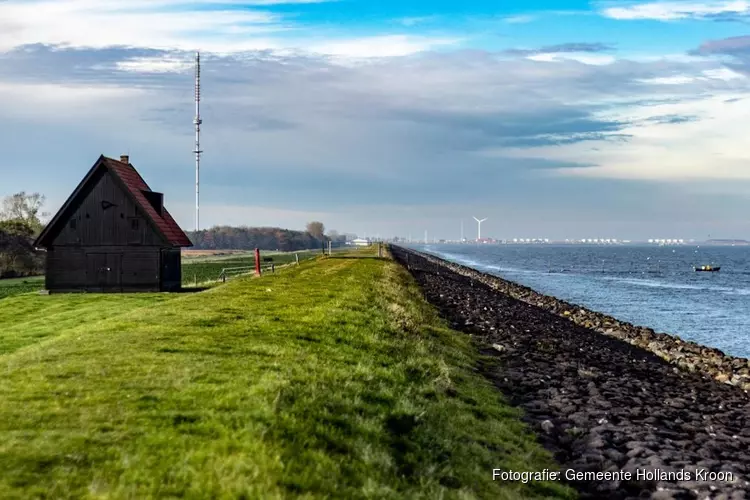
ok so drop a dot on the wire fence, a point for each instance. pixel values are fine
(221, 269)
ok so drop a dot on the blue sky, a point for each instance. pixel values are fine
(553, 119)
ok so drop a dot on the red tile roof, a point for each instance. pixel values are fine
(135, 184)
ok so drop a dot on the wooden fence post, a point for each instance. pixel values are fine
(257, 262)
(296, 257)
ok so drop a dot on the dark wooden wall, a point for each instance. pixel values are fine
(91, 223)
(171, 269)
(106, 269)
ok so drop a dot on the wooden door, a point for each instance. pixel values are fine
(96, 274)
(104, 270)
(114, 271)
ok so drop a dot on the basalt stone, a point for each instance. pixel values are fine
(668, 347)
(640, 400)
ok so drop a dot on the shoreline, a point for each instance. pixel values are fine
(628, 423)
(688, 355)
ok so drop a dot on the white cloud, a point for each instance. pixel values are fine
(166, 64)
(708, 148)
(207, 25)
(92, 23)
(669, 80)
(380, 46)
(723, 74)
(670, 11)
(582, 57)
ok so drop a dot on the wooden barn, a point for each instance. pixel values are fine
(113, 234)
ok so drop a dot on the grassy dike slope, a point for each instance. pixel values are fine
(331, 379)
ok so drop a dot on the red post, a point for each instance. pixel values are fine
(257, 262)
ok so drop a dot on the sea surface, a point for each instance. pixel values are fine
(648, 286)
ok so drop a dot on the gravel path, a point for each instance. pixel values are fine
(601, 404)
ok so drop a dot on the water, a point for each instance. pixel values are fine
(654, 287)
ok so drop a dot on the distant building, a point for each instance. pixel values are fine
(113, 234)
(360, 242)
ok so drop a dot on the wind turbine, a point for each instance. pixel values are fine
(479, 227)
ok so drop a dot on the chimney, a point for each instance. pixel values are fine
(125, 159)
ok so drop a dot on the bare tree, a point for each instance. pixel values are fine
(316, 229)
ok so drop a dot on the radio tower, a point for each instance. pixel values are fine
(197, 122)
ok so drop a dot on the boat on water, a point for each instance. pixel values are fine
(707, 269)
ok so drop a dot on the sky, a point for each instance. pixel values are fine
(565, 119)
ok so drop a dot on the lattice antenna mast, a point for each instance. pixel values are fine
(197, 122)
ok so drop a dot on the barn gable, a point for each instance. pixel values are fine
(113, 205)
(104, 214)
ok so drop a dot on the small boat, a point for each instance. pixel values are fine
(708, 269)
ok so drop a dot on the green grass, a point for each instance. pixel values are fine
(333, 379)
(203, 269)
(16, 286)
(200, 269)
(28, 319)
(239, 255)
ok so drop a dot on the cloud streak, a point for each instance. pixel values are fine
(563, 49)
(673, 11)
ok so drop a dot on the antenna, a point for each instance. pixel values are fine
(479, 227)
(462, 230)
(197, 122)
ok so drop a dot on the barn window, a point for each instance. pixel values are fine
(72, 224)
(135, 235)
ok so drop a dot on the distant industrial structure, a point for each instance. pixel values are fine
(667, 241)
(359, 242)
(570, 241)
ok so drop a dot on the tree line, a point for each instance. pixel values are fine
(21, 222)
(264, 238)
